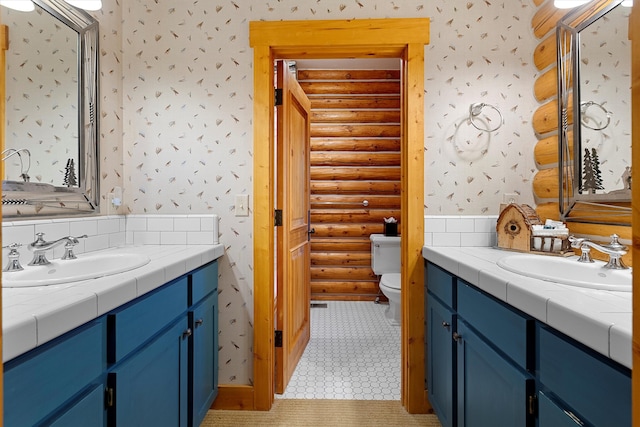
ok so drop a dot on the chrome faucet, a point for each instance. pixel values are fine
(40, 246)
(14, 258)
(614, 249)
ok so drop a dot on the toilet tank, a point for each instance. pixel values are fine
(385, 254)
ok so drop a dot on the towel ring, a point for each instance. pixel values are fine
(584, 106)
(475, 110)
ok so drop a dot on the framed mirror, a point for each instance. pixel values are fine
(594, 114)
(52, 118)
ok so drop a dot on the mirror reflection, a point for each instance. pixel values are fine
(41, 97)
(595, 115)
(605, 105)
(51, 152)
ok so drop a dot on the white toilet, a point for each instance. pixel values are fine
(385, 262)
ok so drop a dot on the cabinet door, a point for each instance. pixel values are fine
(551, 414)
(150, 386)
(491, 391)
(38, 383)
(204, 356)
(440, 360)
(88, 411)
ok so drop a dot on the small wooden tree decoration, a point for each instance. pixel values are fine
(591, 176)
(70, 179)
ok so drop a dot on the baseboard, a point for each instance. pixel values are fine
(234, 397)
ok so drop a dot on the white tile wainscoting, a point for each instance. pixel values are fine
(111, 231)
(460, 230)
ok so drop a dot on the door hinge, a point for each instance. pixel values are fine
(277, 339)
(278, 97)
(278, 218)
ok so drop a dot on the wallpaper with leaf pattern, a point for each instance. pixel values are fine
(177, 116)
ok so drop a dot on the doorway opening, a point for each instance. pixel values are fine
(355, 128)
(374, 38)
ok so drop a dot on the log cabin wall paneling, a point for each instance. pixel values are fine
(355, 175)
(545, 123)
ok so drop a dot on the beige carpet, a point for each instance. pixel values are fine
(313, 412)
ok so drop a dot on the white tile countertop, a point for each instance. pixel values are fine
(601, 320)
(31, 316)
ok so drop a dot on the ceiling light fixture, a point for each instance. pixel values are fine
(627, 3)
(86, 4)
(21, 5)
(568, 4)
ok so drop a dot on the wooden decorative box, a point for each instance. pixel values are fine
(515, 232)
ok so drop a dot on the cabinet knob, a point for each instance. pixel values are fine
(187, 333)
(199, 322)
(457, 337)
(446, 325)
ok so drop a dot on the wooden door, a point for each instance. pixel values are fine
(293, 248)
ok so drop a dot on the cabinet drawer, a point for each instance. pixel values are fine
(203, 281)
(135, 323)
(39, 382)
(587, 382)
(508, 330)
(441, 284)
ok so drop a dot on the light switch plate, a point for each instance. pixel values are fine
(510, 198)
(242, 205)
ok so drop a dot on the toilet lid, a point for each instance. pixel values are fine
(391, 280)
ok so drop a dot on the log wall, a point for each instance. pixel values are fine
(545, 122)
(355, 157)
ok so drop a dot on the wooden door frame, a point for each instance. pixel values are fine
(402, 38)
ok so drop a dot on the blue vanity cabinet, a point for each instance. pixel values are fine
(58, 380)
(495, 383)
(150, 362)
(511, 370)
(586, 387)
(441, 323)
(478, 356)
(203, 318)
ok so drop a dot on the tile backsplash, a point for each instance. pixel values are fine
(110, 231)
(456, 230)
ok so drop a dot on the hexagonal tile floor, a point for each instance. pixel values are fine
(353, 354)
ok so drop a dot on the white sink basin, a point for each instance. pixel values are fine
(64, 271)
(568, 271)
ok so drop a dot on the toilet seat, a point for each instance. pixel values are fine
(391, 280)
